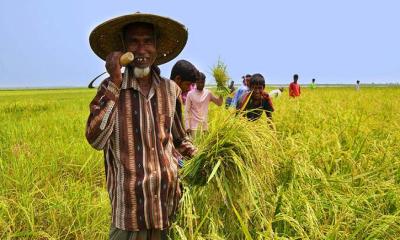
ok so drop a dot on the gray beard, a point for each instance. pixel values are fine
(141, 72)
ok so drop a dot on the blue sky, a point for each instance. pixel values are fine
(45, 43)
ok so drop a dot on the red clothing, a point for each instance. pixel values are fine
(294, 90)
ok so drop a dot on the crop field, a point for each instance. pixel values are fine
(328, 168)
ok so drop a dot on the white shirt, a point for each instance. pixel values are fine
(275, 93)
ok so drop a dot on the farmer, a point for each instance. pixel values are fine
(312, 84)
(358, 85)
(131, 120)
(196, 108)
(256, 101)
(185, 75)
(242, 89)
(276, 92)
(294, 87)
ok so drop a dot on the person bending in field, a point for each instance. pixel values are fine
(256, 101)
(196, 108)
(276, 93)
(132, 121)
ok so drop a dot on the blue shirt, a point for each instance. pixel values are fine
(238, 94)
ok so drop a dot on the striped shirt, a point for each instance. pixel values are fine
(137, 134)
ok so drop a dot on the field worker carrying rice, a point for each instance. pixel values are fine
(256, 101)
(132, 119)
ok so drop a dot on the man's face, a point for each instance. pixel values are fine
(200, 84)
(185, 86)
(257, 91)
(139, 39)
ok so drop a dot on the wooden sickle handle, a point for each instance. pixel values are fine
(126, 58)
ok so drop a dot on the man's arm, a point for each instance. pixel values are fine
(217, 100)
(100, 123)
(102, 114)
(268, 107)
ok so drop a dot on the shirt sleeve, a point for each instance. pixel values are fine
(101, 119)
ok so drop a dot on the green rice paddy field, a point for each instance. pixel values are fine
(329, 170)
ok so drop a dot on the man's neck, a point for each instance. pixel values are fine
(145, 84)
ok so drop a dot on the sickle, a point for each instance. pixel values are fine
(124, 60)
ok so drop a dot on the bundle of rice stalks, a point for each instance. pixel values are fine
(221, 78)
(227, 180)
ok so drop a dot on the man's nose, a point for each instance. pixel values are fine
(141, 48)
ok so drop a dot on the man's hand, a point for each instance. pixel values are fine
(113, 67)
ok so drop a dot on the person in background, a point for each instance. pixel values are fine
(276, 92)
(185, 74)
(358, 85)
(256, 101)
(191, 88)
(196, 108)
(294, 87)
(312, 84)
(131, 121)
(244, 88)
(229, 98)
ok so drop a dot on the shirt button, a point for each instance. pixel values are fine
(155, 196)
(135, 112)
(139, 165)
(152, 149)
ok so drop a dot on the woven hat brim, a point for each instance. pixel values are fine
(172, 36)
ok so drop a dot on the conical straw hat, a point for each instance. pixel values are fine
(171, 36)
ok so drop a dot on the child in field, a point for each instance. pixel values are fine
(256, 101)
(196, 108)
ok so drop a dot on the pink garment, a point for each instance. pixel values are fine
(184, 95)
(196, 109)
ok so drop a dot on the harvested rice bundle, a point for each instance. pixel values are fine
(221, 78)
(232, 147)
(227, 179)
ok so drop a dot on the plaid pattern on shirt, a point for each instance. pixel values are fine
(137, 134)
